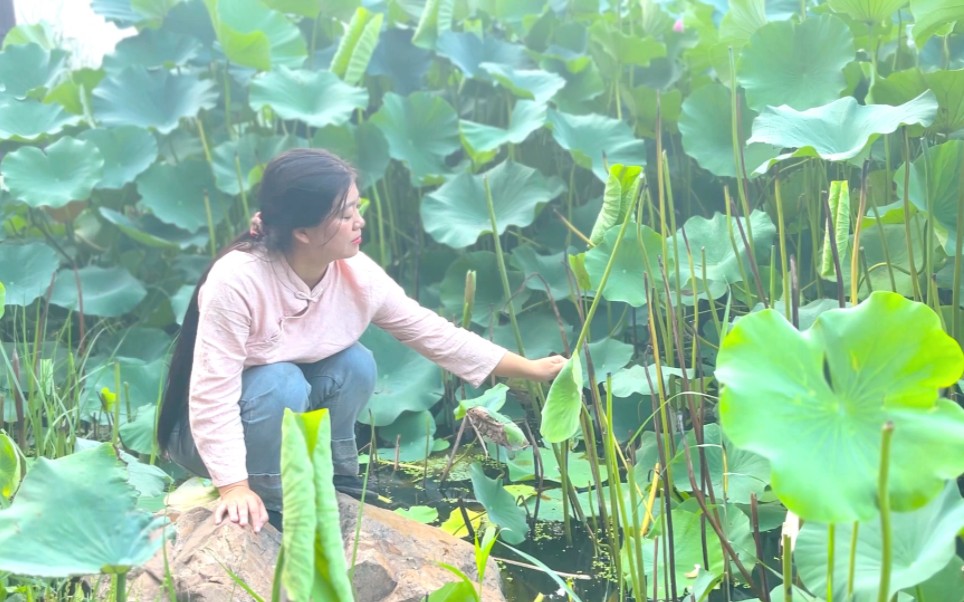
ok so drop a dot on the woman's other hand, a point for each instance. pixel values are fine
(242, 506)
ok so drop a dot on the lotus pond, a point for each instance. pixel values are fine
(741, 221)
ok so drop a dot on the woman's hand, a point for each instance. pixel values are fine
(514, 365)
(242, 506)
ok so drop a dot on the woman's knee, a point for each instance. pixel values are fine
(271, 388)
(364, 372)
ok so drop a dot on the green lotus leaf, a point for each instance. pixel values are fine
(735, 475)
(623, 48)
(814, 404)
(741, 21)
(870, 11)
(40, 34)
(839, 130)
(237, 163)
(100, 530)
(140, 386)
(534, 84)
(560, 414)
(74, 93)
(947, 86)
(26, 67)
(133, 12)
(492, 398)
(411, 436)
(422, 130)
(935, 185)
(10, 469)
(542, 271)
(642, 104)
(923, 543)
(363, 145)
(541, 334)
(138, 434)
(127, 151)
(527, 116)
(436, 17)
(638, 256)
(705, 126)
(406, 380)
(620, 193)
(151, 232)
(26, 270)
(636, 380)
(151, 99)
(500, 506)
(314, 565)
(579, 468)
(318, 98)
(931, 15)
(425, 515)
(596, 141)
(176, 193)
(718, 251)
(796, 64)
(689, 549)
(457, 213)
(356, 46)
(255, 36)
(153, 48)
(65, 171)
(948, 579)
(403, 63)
(28, 119)
(305, 8)
(468, 51)
(583, 89)
(105, 292)
(608, 357)
(138, 342)
(489, 296)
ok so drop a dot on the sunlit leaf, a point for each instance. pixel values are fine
(871, 11)
(560, 414)
(814, 404)
(10, 469)
(255, 36)
(419, 514)
(318, 98)
(930, 15)
(621, 190)
(356, 46)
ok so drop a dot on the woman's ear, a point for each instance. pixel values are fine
(301, 235)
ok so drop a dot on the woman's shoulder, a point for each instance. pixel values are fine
(239, 267)
(364, 270)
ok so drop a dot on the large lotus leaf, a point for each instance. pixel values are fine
(65, 171)
(689, 531)
(363, 145)
(24, 68)
(719, 252)
(255, 36)
(527, 116)
(935, 185)
(814, 404)
(127, 151)
(411, 437)
(947, 86)
(153, 48)
(175, 194)
(541, 334)
(839, 130)
(406, 380)
(560, 414)
(500, 506)
(140, 386)
(26, 270)
(637, 259)
(10, 469)
(636, 380)
(608, 357)
(403, 63)
(152, 232)
(151, 99)
(457, 214)
(796, 64)
(948, 579)
(534, 84)
(104, 292)
(742, 20)
(318, 98)
(931, 15)
(28, 119)
(623, 48)
(489, 294)
(871, 11)
(237, 163)
(543, 271)
(922, 544)
(619, 197)
(734, 475)
(422, 130)
(597, 141)
(314, 564)
(99, 530)
(356, 46)
(705, 126)
(468, 51)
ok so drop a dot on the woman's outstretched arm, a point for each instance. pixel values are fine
(513, 365)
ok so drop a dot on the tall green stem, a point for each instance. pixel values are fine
(883, 498)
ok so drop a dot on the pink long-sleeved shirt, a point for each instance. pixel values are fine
(255, 310)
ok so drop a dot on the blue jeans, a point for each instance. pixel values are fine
(343, 383)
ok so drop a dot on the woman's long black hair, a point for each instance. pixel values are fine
(300, 188)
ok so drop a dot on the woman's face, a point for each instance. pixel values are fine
(339, 236)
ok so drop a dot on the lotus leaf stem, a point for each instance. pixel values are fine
(883, 499)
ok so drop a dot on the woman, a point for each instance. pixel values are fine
(275, 323)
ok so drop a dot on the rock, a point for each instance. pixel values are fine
(396, 560)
